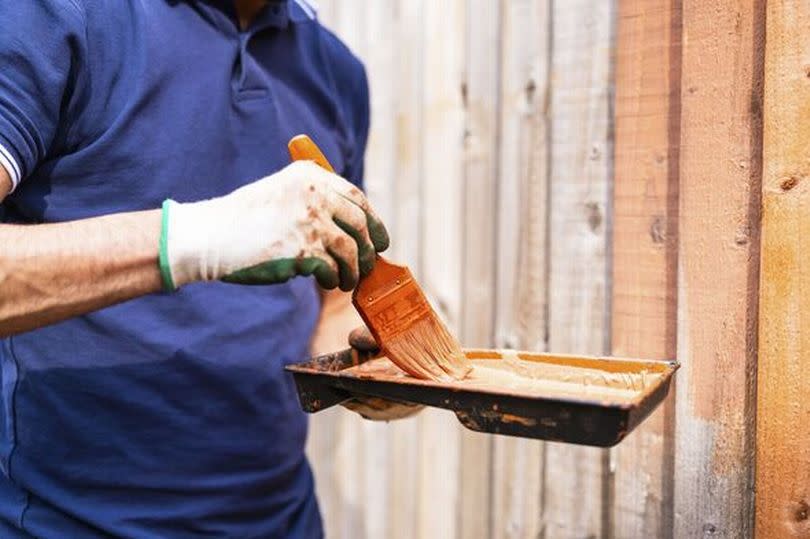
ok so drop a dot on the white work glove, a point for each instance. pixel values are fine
(301, 220)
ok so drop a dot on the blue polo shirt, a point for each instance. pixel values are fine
(168, 416)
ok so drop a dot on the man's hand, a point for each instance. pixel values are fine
(338, 317)
(361, 339)
(302, 220)
(375, 408)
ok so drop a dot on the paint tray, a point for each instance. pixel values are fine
(582, 400)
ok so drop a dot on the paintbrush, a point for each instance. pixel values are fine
(395, 309)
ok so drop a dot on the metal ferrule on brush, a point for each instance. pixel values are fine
(396, 306)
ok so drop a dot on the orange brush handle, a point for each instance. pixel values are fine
(302, 148)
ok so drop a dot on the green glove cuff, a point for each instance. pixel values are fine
(163, 260)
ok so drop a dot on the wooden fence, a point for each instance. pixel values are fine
(555, 191)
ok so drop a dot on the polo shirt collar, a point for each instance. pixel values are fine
(276, 14)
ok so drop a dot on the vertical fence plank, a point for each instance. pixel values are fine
(442, 187)
(480, 95)
(581, 151)
(378, 52)
(718, 244)
(349, 22)
(645, 213)
(480, 98)
(783, 402)
(405, 242)
(320, 451)
(522, 229)
(381, 56)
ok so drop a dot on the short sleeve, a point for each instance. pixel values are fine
(351, 86)
(40, 45)
(359, 120)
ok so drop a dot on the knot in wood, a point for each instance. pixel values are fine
(709, 529)
(789, 183)
(530, 87)
(658, 230)
(742, 235)
(594, 215)
(801, 511)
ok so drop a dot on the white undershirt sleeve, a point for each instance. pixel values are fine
(7, 162)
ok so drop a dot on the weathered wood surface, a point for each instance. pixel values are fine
(471, 96)
(491, 160)
(441, 241)
(576, 488)
(783, 403)
(404, 186)
(645, 221)
(479, 93)
(718, 266)
(373, 25)
(522, 236)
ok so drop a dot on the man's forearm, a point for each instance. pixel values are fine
(51, 272)
(338, 318)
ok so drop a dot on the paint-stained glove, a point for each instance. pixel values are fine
(375, 408)
(301, 220)
(362, 340)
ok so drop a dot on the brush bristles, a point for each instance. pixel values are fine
(428, 351)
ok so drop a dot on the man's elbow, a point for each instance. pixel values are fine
(5, 183)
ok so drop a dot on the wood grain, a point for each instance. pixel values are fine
(522, 229)
(479, 93)
(645, 220)
(720, 170)
(405, 73)
(441, 240)
(581, 168)
(379, 53)
(783, 391)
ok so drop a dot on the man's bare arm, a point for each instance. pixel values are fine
(338, 318)
(301, 220)
(52, 272)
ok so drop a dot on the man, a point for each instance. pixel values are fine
(143, 391)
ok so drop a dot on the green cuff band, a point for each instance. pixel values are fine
(163, 261)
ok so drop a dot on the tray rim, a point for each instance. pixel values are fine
(669, 367)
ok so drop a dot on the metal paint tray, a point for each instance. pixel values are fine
(584, 413)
